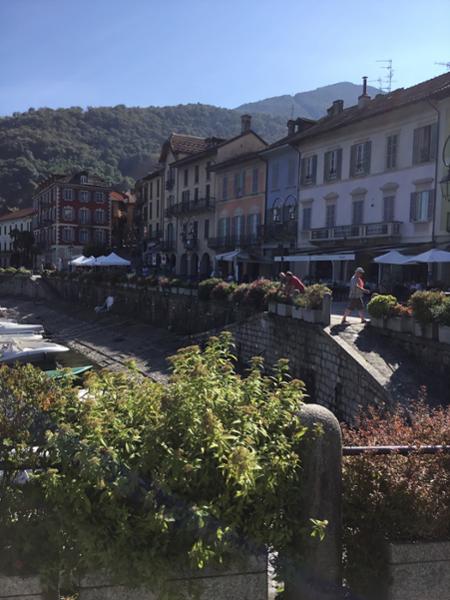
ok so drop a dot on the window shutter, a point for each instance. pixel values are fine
(413, 207)
(243, 182)
(314, 168)
(430, 210)
(236, 184)
(433, 141)
(367, 156)
(352, 160)
(249, 224)
(303, 167)
(416, 146)
(326, 167)
(339, 164)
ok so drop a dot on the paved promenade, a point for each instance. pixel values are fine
(108, 340)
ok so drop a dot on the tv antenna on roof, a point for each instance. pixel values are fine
(389, 75)
(444, 64)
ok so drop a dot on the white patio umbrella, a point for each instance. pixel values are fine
(393, 257)
(432, 256)
(90, 262)
(112, 260)
(78, 261)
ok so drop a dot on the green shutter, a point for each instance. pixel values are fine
(339, 164)
(430, 205)
(314, 169)
(302, 175)
(326, 166)
(433, 141)
(416, 145)
(413, 207)
(352, 160)
(367, 157)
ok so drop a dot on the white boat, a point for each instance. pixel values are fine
(23, 337)
(18, 350)
(12, 328)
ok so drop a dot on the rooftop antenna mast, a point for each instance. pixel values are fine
(444, 64)
(390, 73)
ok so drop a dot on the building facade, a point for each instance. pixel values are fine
(149, 215)
(71, 212)
(122, 220)
(15, 252)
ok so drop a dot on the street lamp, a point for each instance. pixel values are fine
(445, 182)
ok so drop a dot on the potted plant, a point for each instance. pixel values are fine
(283, 304)
(312, 302)
(206, 286)
(379, 309)
(424, 305)
(442, 315)
(400, 319)
(299, 307)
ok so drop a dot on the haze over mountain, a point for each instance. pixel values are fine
(312, 104)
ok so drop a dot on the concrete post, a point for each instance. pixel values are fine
(315, 565)
(326, 309)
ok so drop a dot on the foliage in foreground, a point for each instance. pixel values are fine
(393, 497)
(144, 476)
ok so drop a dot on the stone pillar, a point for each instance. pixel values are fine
(315, 566)
(326, 309)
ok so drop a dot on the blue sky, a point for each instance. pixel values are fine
(225, 52)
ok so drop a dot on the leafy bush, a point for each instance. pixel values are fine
(257, 293)
(393, 497)
(424, 304)
(151, 475)
(313, 296)
(240, 293)
(381, 306)
(222, 291)
(206, 286)
(399, 310)
(441, 312)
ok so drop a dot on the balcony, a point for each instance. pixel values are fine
(356, 232)
(231, 242)
(190, 206)
(280, 232)
(170, 184)
(167, 246)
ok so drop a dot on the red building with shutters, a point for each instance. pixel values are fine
(72, 212)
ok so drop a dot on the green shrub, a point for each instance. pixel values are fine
(240, 293)
(206, 286)
(313, 296)
(222, 291)
(393, 497)
(424, 304)
(441, 312)
(151, 475)
(381, 305)
(257, 294)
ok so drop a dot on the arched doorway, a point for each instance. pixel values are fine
(183, 265)
(173, 263)
(205, 266)
(194, 265)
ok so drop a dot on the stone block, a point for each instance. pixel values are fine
(20, 588)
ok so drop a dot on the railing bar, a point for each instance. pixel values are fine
(402, 450)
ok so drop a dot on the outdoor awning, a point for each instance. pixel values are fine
(431, 256)
(112, 260)
(393, 257)
(227, 256)
(315, 257)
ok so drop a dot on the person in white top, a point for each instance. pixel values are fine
(355, 296)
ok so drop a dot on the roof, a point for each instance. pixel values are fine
(240, 158)
(436, 88)
(18, 214)
(93, 180)
(156, 173)
(214, 143)
(183, 144)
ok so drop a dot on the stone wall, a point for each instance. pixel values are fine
(335, 375)
(20, 588)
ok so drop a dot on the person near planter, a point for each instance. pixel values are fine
(355, 296)
(293, 285)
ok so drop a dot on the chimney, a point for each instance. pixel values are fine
(246, 123)
(336, 108)
(364, 99)
(291, 126)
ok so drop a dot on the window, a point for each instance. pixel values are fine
(185, 196)
(150, 211)
(151, 190)
(158, 187)
(83, 179)
(291, 172)
(206, 229)
(360, 159)
(275, 174)
(255, 177)
(391, 151)
(99, 236)
(99, 216)
(83, 236)
(186, 177)
(424, 144)
(208, 172)
(157, 208)
(357, 212)
(421, 207)
(309, 170)
(68, 213)
(196, 195)
(332, 165)
(84, 196)
(388, 209)
(208, 191)
(330, 215)
(276, 212)
(99, 197)
(224, 187)
(196, 174)
(306, 218)
(238, 226)
(290, 209)
(223, 227)
(68, 194)
(84, 215)
(253, 222)
(67, 234)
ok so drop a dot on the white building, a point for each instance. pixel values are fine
(19, 220)
(369, 179)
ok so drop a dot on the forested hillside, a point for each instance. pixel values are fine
(118, 143)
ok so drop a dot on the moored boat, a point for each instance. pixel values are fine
(12, 328)
(67, 372)
(18, 350)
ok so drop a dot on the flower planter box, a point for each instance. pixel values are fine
(284, 310)
(425, 331)
(378, 323)
(184, 291)
(407, 325)
(194, 292)
(394, 324)
(312, 316)
(272, 307)
(297, 312)
(444, 334)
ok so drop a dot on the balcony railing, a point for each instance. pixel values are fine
(355, 232)
(234, 241)
(190, 206)
(278, 232)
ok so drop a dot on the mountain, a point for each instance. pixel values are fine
(117, 143)
(312, 104)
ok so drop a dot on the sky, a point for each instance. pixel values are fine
(60, 53)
